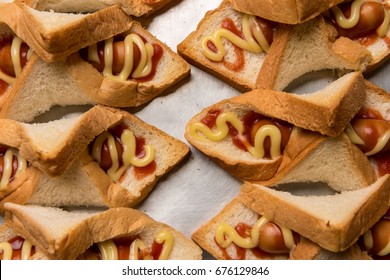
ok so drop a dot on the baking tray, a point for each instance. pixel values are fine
(198, 189)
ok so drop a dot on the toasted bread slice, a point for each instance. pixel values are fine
(309, 47)
(293, 11)
(83, 182)
(236, 213)
(191, 49)
(135, 8)
(335, 221)
(67, 234)
(55, 35)
(53, 146)
(74, 81)
(325, 160)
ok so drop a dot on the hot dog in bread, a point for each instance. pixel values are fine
(14, 55)
(120, 167)
(370, 128)
(126, 70)
(367, 22)
(132, 7)
(239, 232)
(220, 46)
(235, 47)
(55, 35)
(250, 135)
(117, 233)
(321, 218)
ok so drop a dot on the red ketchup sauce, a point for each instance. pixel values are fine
(249, 121)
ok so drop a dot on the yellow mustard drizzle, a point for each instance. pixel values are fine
(353, 136)
(7, 250)
(355, 139)
(7, 168)
(254, 41)
(225, 235)
(129, 153)
(165, 238)
(382, 141)
(353, 20)
(108, 250)
(199, 131)
(15, 57)
(136, 246)
(141, 70)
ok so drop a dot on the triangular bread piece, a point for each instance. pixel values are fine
(66, 234)
(54, 35)
(74, 81)
(54, 145)
(335, 161)
(83, 182)
(236, 213)
(135, 8)
(335, 221)
(327, 110)
(294, 11)
(309, 47)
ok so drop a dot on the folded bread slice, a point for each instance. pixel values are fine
(286, 11)
(248, 63)
(327, 110)
(102, 178)
(54, 35)
(63, 234)
(270, 244)
(293, 50)
(74, 81)
(135, 8)
(309, 47)
(335, 161)
(334, 221)
(54, 145)
(239, 162)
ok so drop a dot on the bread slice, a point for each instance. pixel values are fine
(239, 163)
(335, 161)
(67, 234)
(335, 222)
(82, 181)
(78, 186)
(327, 111)
(39, 87)
(236, 212)
(74, 81)
(53, 146)
(135, 8)
(309, 47)
(308, 250)
(286, 11)
(55, 35)
(190, 48)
